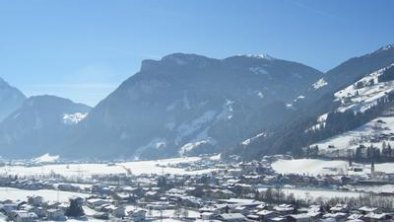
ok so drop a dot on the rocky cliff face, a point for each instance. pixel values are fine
(188, 104)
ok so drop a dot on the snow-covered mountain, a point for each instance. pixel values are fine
(374, 91)
(39, 125)
(349, 72)
(346, 101)
(10, 99)
(188, 104)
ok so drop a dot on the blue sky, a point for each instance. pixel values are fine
(83, 49)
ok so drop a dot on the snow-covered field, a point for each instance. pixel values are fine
(312, 194)
(87, 170)
(362, 135)
(315, 167)
(375, 189)
(309, 166)
(48, 195)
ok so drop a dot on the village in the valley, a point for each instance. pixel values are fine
(197, 189)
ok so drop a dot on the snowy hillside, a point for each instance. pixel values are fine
(373, 133)
(360, 96)
(344, 98)
(38, 125)
(187, 104)
(364, 93)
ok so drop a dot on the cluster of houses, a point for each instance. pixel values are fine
(33, 209)
(229, 193)
(231, 210)
(251, 210)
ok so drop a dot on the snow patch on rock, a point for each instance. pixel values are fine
(73, 118)
(319, 84)
(227, 112)
(190, 146)
(248, 141)
(46, 158)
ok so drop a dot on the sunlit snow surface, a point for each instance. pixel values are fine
(320, 83)
(46, 158)
(14, 194)
(248, 141)
(362, 98)
(73, 118)
(315, 167)
(87, 170)
(307, 166)
(304, 194)
(361, 135)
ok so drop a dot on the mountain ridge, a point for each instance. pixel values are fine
(198, 97)
(189, 104)
(10, 99)
(324, 101)
(38, 125)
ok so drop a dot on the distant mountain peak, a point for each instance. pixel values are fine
(259, 56)
(200, 61)
(3, 82)
(10, 99)
(182, 59)
(385, 48)
(40, 100)
(388, 47)
(177, 59)
(186, 56)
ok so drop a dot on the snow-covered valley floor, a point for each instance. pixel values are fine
(14, 194)
(89, 169)
(313, 194)
(314, 167)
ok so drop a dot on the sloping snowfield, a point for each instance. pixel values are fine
(86, 170)
(351, 139)
(361, 98)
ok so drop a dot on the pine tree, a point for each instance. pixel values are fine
(75, 208)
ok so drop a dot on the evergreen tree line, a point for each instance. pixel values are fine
(387, 75)
(277, 196)
(374, 154)
(339, 122)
